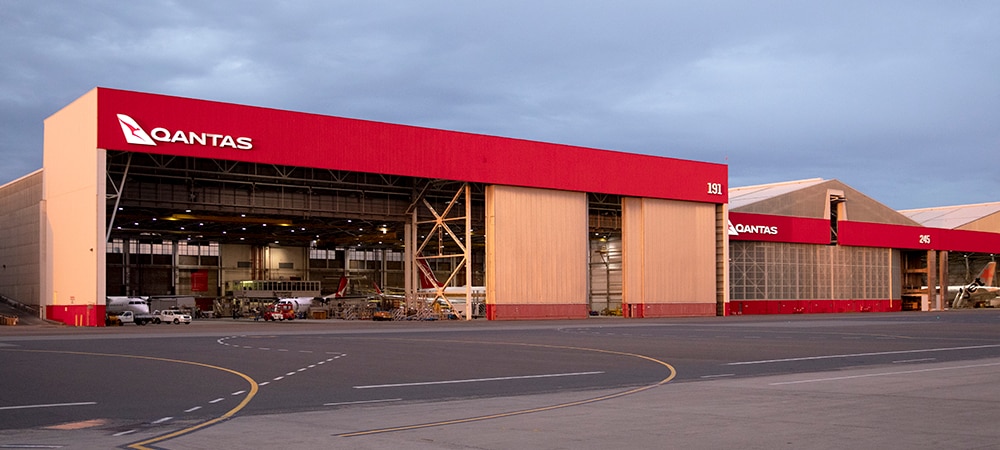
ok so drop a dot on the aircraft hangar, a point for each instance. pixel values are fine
(145, 194)
(819, 246)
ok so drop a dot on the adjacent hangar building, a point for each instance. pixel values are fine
(144, 194)
(816, 246)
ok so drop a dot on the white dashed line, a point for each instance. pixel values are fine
(217, 400)
(237, 393)
(478, 380)
(161, 420)
(903, 361)
(883, 374)
(123, 433)
(50, 405)
(192, 409)
(854, 355)
(363, 402)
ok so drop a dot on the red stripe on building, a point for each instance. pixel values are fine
(864, 234)
(753, 307)
(767, 228)
(325, 142)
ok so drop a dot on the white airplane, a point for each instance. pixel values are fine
(299, 304)
(138, 305)
(979, 290)
(302, 304)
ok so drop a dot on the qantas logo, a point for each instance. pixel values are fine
(134, 134)
(736, 230)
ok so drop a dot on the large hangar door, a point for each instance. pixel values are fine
(536, 253)
(668, 258)
(606, 276)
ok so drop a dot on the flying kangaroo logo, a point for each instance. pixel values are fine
(134, 134)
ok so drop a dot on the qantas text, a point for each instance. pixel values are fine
(191, 138)
(756, 229)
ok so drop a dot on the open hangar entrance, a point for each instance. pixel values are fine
(184, 226)
(193, 227)
(953, 277)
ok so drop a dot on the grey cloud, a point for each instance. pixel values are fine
(873, 94)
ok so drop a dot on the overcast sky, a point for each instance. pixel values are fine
(898, 99)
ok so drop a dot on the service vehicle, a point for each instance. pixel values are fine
(172, 316)
(300, 305)
(280, 311)
(128, 317)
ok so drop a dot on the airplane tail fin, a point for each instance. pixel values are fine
(986, 275)
(342, 288)
(378, 291)
(427, 278)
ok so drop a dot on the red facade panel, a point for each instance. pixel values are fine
(77, 315)
(863, 234)
(198, 128)
(762, 227)
(767, 228)
(536, 312)
(754, 307)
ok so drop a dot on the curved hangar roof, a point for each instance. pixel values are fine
(159, 124)
(811, 198)
(977, 217)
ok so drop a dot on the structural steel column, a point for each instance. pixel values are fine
(932, 278)
(942, 279)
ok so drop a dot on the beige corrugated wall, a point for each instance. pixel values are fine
(73, 215)
(21, 245)
(669, 256)
(536, 250)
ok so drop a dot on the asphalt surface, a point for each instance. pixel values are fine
(897, 380)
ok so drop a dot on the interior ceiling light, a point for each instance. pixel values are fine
(231, 219)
